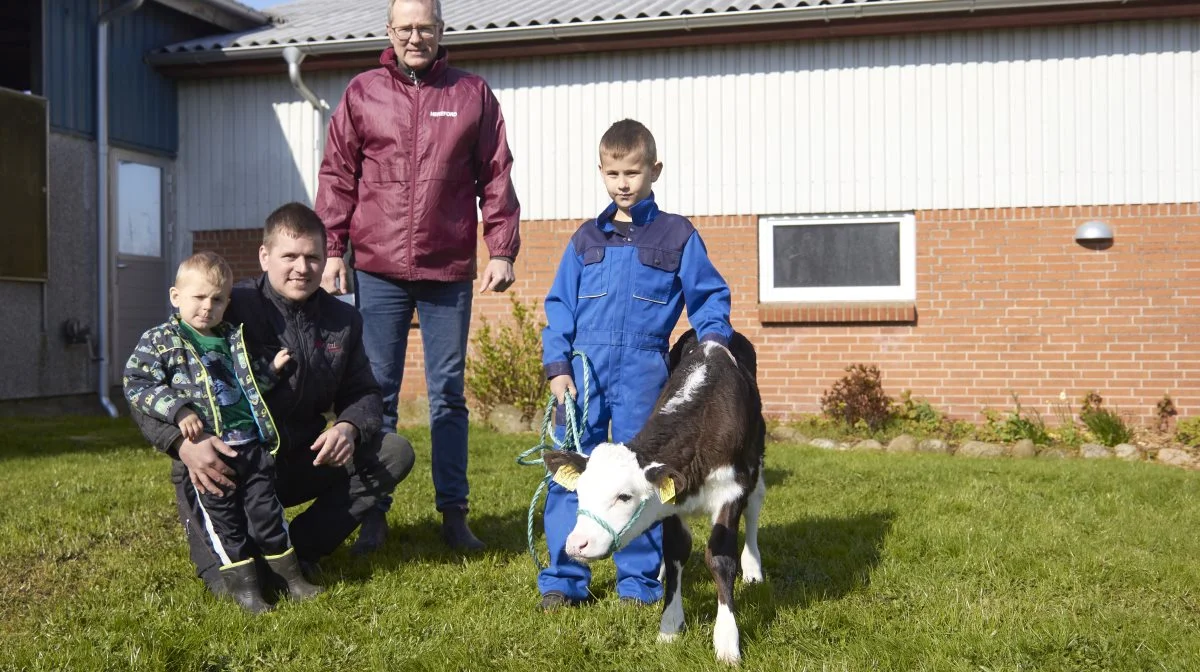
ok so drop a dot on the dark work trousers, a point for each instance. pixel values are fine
(248, 520)
(342, 497)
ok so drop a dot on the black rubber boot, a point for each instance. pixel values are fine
(287, 567)
(241, 583)
(456, 534)
(372, 534)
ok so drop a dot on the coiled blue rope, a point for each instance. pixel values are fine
(572, 440)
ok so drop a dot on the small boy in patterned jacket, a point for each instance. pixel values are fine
(194, 370)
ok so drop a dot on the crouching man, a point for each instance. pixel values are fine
(346, 468)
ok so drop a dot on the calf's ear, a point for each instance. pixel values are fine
(684, 345)
(565, 466)
(666, 480)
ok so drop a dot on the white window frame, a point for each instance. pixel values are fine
(905, 291)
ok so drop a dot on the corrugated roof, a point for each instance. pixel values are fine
(315, 21)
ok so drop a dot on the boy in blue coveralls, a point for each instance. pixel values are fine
(619, 291)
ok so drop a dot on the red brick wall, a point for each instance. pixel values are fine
(1006, 302)
(239, 247)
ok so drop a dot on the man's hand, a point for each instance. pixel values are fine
(190, 424)
(497, 277)
(335, 446)
(208, 471)
(333, 280)
(560, 386)
(281, 359)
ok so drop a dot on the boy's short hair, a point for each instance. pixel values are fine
(627, 137)
(208, 265)
(296, 219)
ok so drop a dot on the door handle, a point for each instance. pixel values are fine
(120, 266)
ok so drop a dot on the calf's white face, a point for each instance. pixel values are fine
(611, 487)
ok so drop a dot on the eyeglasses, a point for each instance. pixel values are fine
(404, 34)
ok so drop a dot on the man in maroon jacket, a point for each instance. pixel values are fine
(410, 148)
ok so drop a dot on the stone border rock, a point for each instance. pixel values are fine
(1023, 449)
(507, 420)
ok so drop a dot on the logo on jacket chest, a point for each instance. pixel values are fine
(331, 348)
(443, 113)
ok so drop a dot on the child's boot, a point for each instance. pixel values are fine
(241, 582)
(287, 567)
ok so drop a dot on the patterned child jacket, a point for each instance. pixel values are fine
(165, 373)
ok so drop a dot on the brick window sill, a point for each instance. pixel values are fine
(847, 312)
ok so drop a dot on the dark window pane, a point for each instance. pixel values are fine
(23, 186)
(838, 255)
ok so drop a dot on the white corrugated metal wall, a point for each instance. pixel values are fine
(1101, 114)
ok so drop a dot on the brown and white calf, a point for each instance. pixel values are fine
(700, 450)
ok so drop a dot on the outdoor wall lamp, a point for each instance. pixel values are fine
(1094, 232)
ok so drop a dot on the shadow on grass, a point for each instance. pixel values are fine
(775, 477)
(504, 534)
(52, 437)
(805, 561)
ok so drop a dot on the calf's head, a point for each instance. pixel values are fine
(618, 499)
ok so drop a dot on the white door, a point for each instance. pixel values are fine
(139, 187)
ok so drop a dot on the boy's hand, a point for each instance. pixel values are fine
(281, 360)
(189, 424)
(560, 386)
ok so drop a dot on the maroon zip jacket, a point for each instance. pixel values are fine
(404, 163)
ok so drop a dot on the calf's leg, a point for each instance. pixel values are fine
(721, 556)
(751, 560)
(677, 546)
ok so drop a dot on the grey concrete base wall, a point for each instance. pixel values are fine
(35, 360)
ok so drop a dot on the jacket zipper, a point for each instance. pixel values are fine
(241, 342)
(306, 347)
(412, 187)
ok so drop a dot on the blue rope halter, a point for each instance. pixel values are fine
(617, 543)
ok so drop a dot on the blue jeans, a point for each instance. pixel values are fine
(445, 317)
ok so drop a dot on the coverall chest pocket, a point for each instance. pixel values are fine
(654, 277)
(593, 281)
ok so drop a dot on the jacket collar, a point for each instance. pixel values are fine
(222, 330)
(643, 212)
(284, 304)
(440, 62)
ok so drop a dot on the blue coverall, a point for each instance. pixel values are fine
(616, 299)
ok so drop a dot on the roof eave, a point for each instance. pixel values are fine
(229, 16)
(728, 20)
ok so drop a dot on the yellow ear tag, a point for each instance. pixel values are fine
(566, 476)
(666, 491)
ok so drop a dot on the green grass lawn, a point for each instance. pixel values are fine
(873, 561)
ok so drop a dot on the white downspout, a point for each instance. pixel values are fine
(294, 58)
(102, 267)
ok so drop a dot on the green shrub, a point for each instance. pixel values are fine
(1107, 426)
(1067, 432)
(1014, 426)
(505, 365)
(858, 398)
(917, 416)
(1187, 431)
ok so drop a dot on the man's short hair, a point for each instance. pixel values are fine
(629, 137)
(295, 219)
(208, 265)
(437, 9)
